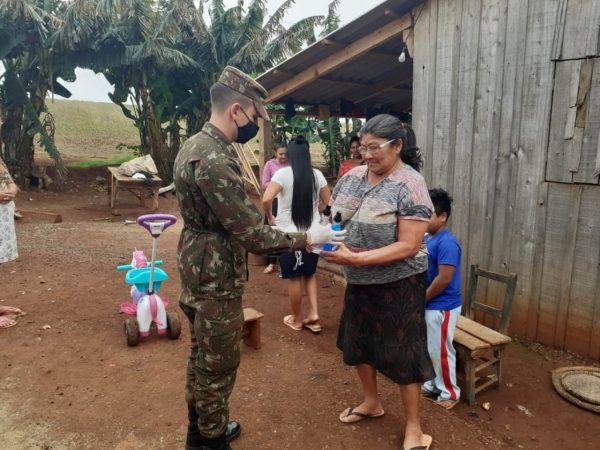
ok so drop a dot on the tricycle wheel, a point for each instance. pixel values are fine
(173, 325)
(132, 332)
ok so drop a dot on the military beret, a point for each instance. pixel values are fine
(244, 84)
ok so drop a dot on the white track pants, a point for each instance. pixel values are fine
(440, 333)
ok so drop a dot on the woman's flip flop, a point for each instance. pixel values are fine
(351, 416)
(5, 322)
(289, 321)
(313, 326)
(427, 440)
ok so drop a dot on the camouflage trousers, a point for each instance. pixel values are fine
(216, 331)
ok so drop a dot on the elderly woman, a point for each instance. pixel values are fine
(385, 208)
(8, 238)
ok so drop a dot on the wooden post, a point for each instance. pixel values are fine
(471, 379)
(265, 138)
(471, 291)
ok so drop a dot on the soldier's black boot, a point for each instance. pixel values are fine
(219, 443)
(233, 430)
(194, 440)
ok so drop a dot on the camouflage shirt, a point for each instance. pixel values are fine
(220, 222)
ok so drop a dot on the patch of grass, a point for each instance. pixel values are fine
(101, 163)
(89, 130)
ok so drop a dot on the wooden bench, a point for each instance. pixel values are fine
(139, 188)
(480, 348)
(251, 328)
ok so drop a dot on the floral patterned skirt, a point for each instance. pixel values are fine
(8, 236)
(383, 325)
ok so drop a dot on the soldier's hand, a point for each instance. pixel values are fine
(323, 234)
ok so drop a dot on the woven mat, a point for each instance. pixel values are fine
(580, 385)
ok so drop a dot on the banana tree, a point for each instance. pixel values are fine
(247, 38)
(330, 132)
(32, 70)
(133, 43)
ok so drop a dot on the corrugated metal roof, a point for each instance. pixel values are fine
(373, 80)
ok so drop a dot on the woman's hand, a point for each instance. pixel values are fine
(341, 256)
(7, 196)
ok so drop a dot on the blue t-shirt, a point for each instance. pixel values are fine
(443, 248)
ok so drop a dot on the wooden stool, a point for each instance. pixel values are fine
(251, 328)
(137, 187)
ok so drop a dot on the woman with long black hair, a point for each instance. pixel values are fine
(300, 190)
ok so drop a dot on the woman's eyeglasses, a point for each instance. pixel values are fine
(373, 148)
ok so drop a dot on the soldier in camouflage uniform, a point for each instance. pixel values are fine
(220, 226)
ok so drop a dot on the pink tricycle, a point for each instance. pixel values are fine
(146, 280)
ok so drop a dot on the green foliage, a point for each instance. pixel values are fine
(32, 68)
(284, 128)
(332, 21)
(330, 132)
(242, 37)
(162, 56)
(336, 143)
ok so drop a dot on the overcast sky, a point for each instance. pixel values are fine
(92, 87)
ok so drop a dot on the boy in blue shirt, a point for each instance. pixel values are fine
(444, 300)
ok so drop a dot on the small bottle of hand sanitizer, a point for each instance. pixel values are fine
(336, 226)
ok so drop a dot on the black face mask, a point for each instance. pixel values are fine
(246, 132)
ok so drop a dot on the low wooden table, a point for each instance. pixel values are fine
(137, 187)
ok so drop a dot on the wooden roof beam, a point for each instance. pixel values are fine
(331, 43)
(346, 82)
(343, 56)
(375, 94)
(328, 79)
(381, 87)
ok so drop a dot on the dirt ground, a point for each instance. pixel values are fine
(69, 381)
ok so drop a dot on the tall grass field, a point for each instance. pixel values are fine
(90, 130)
(88, 133)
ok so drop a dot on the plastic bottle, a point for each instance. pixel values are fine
(336, 226)
(325, 215)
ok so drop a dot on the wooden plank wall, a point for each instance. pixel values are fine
(573, 155)
(484, 90)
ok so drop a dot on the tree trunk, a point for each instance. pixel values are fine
(18, 143)
(10, 133)
(25, 154)
(140, 122)
(158, 149)
(26, 150)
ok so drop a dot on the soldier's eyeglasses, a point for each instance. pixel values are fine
(373, 148)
